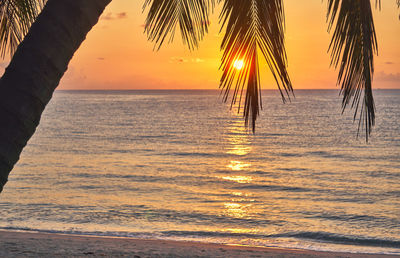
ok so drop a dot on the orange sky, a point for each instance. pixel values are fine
(116, 54)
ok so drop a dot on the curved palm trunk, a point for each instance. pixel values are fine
(36, 69)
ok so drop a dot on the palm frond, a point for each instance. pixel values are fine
(352, 48)
(16, 17)
(252, 26)
(398, 6)
(192, 17)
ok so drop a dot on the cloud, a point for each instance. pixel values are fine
(101, 58)
(122, 15)
(389, 63)
(184, 60)
(387, 77)
(197, 60)
(114, 16)
(178, 60)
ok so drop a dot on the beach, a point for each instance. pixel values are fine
(27, 244)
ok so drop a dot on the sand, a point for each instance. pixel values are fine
(22, 244)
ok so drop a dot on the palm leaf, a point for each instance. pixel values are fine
(165, 15)
(352, 48)
(398, 6)
(252, 27)
(16, 17)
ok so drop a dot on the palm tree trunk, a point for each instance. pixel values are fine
(36, 69)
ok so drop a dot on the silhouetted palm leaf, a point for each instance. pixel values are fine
(165, 15)
(352, 48)
(16, 17)
(252, 26)
(398, 6)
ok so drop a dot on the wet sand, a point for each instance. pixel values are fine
(22, 244)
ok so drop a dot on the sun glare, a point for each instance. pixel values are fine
(238, 64)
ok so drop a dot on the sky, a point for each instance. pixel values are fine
(117, 54)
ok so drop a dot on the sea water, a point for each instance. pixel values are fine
(181, 165)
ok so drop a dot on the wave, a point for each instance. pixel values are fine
(316, 236)
(274, 188)
(321, 237)
(342, 239)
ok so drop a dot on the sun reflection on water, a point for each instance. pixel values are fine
(235, 210)
(238, 165)
(239, 143)
(241, 230)
(239, 150)
(239, 146)
(240, 194)
(238, 179)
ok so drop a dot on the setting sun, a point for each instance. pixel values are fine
(238, 64)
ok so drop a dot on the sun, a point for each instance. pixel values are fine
(238, 64)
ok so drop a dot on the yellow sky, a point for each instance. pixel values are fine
(116, 54)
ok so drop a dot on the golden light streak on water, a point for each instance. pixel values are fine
(241, 230)
(239, 145)
(235, 210)
(238, 179)
(238, 165)
(239, 150)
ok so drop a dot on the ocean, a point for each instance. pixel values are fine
(180, 165)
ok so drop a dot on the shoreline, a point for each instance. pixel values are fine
(23, 244)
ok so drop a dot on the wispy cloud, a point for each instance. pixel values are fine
(387, 77)
(389, 63)
(197, 60)
(178, 60)
(185, 60)
(114, 16)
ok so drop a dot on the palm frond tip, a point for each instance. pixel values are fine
(252, 27)
(164, 16)
(352, 48)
